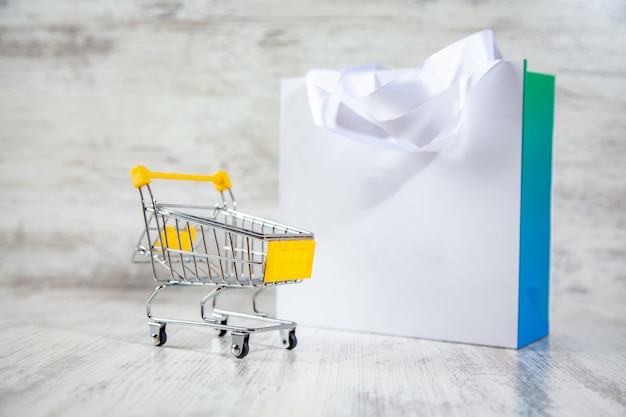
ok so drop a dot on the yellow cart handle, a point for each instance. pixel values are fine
(140, 175)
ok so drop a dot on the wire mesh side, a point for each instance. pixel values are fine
(214, 245)
(197, 252)
(258, 225)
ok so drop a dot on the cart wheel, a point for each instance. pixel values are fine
(240, 346)
(291, 340)
(222, 322)
(157, 333)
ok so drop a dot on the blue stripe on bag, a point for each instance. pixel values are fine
(536, 188)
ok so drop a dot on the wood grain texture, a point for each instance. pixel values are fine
(88, 89)
(87, 352)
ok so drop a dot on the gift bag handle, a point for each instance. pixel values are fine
(419, 109)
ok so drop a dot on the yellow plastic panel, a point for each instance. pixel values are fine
(173, 238)
(289, 260)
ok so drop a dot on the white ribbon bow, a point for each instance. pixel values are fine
(417, 109)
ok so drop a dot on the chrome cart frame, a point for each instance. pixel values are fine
(193, 245)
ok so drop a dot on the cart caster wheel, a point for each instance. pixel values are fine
(222, 332)
(291, 341)
(157, 333)
(240, 347)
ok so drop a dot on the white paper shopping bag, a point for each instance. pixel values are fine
(428, 190)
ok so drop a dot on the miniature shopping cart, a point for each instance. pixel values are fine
(191, 245)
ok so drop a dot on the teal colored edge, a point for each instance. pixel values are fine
(536, 191)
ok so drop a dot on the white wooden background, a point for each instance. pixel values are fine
(90, 88)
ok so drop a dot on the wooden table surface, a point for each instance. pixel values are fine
(85, 352)
(90, 88)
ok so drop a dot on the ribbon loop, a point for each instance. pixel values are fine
(415, 109)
